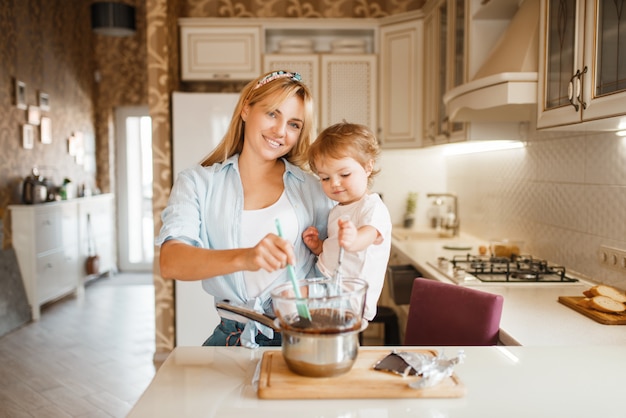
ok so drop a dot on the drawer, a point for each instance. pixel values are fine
(55, 228)
(57, 274)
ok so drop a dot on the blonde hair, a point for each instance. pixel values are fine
(343, 140)
(268, 91)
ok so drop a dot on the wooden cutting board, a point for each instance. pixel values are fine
(276, 381)
(601, 317)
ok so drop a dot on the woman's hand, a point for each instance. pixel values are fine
(311, 238)
(270, 254)
(182, 261)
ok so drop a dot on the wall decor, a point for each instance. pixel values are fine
(71, 145)
(44, 101)
(28, 136)
(34, 115)
(20, 94)
(45, 131)
(79, 155)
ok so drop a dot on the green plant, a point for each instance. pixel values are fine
(411, 203)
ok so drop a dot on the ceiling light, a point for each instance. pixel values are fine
(471, 147)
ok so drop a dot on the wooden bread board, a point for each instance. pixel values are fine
(598, 316)
(276, 381)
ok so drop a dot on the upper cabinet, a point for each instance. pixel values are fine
(343, 85)
(582, 65)
(219, 52)
(444, 67)
(401, 78)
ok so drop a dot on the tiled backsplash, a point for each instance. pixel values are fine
(564, 195)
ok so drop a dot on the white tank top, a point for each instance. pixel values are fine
(256, 224)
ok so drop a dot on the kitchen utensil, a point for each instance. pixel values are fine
(302, 309)
(34, 189)
(277, 381)
(327, 344)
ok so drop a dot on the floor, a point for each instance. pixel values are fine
(88, 356)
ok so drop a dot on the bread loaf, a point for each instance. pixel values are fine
(604, 304)
(611, 292)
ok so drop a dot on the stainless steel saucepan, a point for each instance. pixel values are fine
(328, 344)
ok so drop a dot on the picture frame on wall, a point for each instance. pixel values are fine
(34, 115)
(20, 95)
(28, 136)
(44, 101)
(45, 131)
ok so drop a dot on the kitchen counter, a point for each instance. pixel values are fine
(531, 313)
(582, 381)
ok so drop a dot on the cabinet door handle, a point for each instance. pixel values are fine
(574, 90)
(579, 90)
(570, 91)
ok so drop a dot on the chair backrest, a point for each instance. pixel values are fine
(448, 314)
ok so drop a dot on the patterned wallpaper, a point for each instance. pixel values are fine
(43, 45)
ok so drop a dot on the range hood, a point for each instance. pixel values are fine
(504, 89)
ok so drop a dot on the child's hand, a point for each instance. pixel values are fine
(311, 238)
(348, 233)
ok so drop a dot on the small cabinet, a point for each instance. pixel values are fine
(50, 241)
(401, 77)
(348, 89)
(219, 53)
(582, 64)
(45, 238)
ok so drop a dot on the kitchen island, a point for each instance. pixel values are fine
(532, 314)
(581, 381)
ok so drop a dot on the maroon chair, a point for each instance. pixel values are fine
(443, 314)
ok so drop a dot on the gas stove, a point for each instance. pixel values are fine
(490, 269)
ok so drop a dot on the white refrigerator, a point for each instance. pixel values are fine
(199, 120)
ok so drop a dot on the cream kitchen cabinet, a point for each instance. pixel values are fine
(401, 77)
(444, 67)
(50, 245)
(219, 52)
(45, 238)
(581, 65)
(344, 85)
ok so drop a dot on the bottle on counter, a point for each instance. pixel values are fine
(434, 214)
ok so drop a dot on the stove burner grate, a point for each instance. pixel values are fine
(521, 268)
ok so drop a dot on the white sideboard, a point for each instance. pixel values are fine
(51, 245)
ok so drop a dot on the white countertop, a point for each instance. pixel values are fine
(581, 381)
(531, 313)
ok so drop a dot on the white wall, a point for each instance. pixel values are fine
(404, 171)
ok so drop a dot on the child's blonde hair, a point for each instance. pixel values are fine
(346, 140)
(269, 90)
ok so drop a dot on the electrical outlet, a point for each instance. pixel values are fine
(613, 258)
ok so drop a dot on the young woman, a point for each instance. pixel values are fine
(219, 223)
(343, 157)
